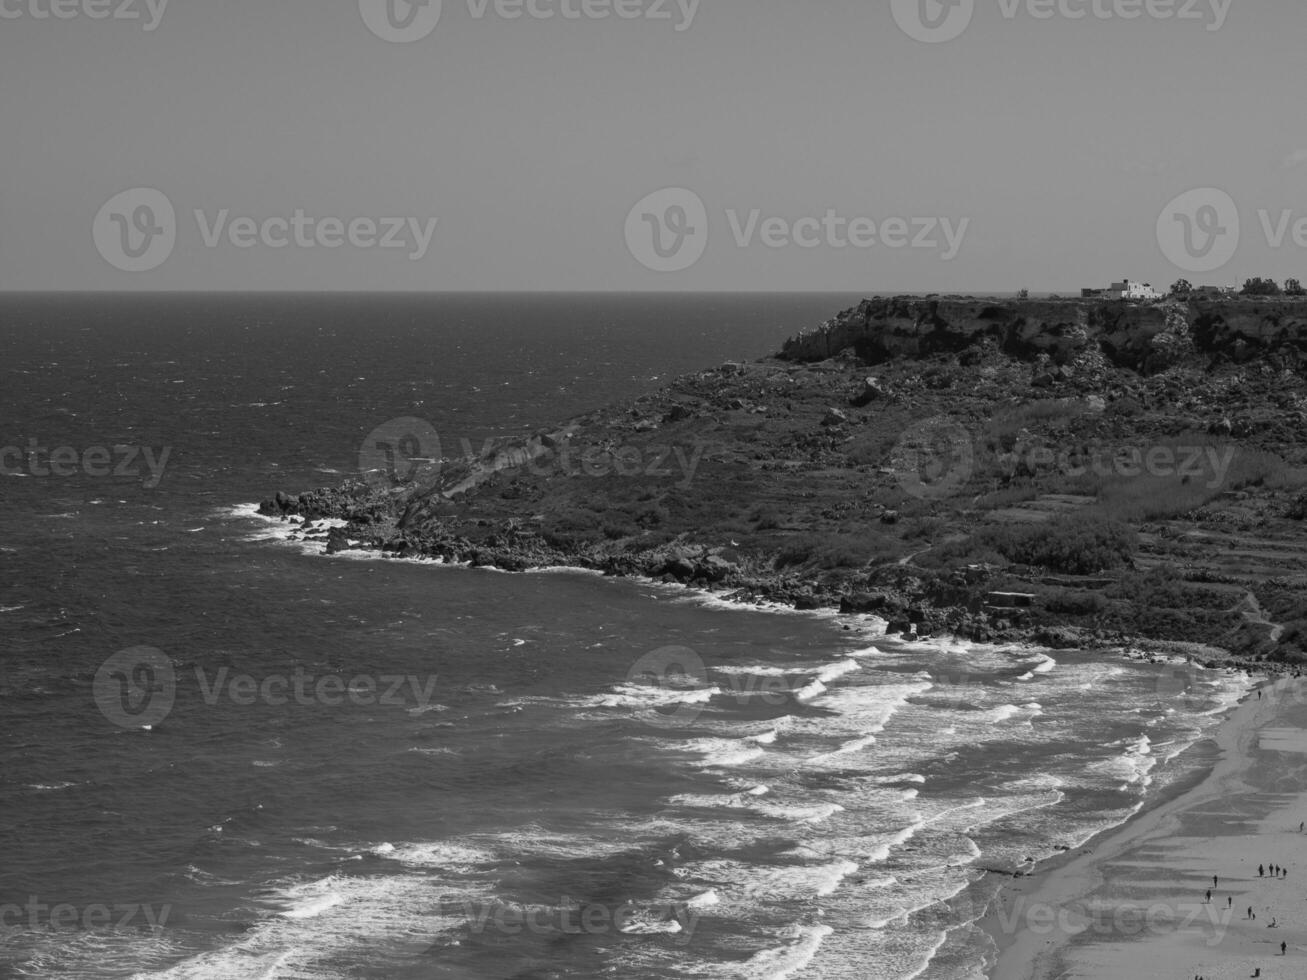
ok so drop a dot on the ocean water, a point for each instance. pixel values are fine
(568, 777)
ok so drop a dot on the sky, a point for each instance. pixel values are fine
(738, 145)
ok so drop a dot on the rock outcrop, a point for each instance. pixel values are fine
(1147, 338)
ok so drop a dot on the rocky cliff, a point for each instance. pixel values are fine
(1145, 338)
(1129, 470)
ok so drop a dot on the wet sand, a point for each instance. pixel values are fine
(1134, 903)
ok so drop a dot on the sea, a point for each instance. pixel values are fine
(226, 755)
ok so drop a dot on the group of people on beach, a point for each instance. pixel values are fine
(1275, 871)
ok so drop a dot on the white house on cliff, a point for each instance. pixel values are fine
(1129, 289)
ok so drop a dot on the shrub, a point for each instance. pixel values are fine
(1070, 547)
(1072, 602)
(1298, 509)
(850, 550)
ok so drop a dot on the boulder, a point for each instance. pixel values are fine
(872, 602)
(871, 391)
(715, 569)
(681, 569)
(834, 417)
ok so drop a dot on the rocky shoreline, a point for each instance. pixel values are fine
(803, 480)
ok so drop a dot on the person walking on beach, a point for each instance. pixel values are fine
(1261, 871)
(1229, 901)
(1215, 881)
(1250, 912)
(1284, 949)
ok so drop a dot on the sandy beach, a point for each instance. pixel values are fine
(1186, 889)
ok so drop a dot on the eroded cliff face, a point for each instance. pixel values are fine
(1143, 338)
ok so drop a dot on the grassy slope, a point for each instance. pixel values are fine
(790, 503)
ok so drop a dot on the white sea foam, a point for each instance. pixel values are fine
(309, 929)
(445, 855)
(726, 752)
(1007, 712)
(748, 884)
(810, 692)
(787, 960)
(837, 757)
(1131, 767)
(1045, 666)
(647, 696)
(756, 670)
(833, 672)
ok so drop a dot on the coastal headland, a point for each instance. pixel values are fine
(1074, 473)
